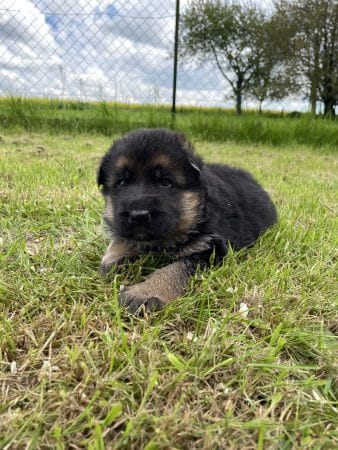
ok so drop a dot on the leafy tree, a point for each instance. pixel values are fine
(272, 83)
(225, 32)
(272, 78)
(309, 29)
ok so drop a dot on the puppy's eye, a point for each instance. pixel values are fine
(164, 182)
(121, 183)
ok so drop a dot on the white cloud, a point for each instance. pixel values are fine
(21, 21)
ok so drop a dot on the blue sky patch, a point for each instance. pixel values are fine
(111, 11)
(53, 21)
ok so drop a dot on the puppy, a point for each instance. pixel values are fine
(161, 197)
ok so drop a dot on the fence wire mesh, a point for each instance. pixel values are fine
(118, 50)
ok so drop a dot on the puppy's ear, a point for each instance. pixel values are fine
(101, 175)
(195, 165)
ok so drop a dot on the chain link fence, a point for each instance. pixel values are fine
(112, 50)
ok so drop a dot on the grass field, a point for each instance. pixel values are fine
(246, 360)
(273, 129)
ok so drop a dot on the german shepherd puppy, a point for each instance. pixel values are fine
(161, 197)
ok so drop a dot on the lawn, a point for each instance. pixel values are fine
(247, 359)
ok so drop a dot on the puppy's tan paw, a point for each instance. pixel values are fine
(118, 265)
(136, 301)
(105, 268)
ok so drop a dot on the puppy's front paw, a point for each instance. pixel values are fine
(134, 300)
(105, 268)
(118, 265)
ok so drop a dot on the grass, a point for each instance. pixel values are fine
(217, 125)
(208, 372)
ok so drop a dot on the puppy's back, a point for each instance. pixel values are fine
(239, 208)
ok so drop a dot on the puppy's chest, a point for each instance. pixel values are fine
(171, 251)
(164, 252)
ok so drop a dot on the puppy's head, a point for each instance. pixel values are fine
(151, 182)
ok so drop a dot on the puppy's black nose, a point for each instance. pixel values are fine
(139, 215)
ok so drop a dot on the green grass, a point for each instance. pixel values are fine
(78, 372)
(204, 123)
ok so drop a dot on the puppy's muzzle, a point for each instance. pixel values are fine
(139, 216)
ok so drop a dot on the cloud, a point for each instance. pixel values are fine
(22, 22)
(86, 47)
(26, 46)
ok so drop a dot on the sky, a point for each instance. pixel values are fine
(114, 50)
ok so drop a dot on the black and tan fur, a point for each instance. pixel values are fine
(161, 197)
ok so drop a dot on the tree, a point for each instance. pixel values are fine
(310, 30)
(225, 32)
(271, 82)
(272, 78)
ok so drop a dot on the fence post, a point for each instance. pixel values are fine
(173, 107)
